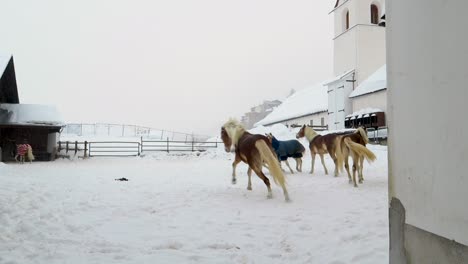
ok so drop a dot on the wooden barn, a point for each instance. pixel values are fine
(38, 125)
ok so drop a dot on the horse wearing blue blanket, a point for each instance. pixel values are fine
(288, 149)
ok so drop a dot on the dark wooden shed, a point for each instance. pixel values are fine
(39, 125)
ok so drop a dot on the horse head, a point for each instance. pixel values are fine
(301, 132)
(230, 133)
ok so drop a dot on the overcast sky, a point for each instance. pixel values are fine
(183, 65)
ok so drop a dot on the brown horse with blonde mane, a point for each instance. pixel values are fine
(321, 145)
(254, 150)
(354, 145)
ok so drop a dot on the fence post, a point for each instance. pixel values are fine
(85, 148)
(167, 144)
(89, 149)
(192, 145)
(138, 148)
(60, 146)
(141, 145)
(76, 147)
(67, 148)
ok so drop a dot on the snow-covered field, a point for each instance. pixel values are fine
(182, 208)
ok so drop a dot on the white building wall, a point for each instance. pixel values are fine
(427, 98)
(339, 105)
(306, 120)
(373, 100)
(370, 51)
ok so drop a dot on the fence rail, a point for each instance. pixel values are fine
(122, 130)
(131, 148)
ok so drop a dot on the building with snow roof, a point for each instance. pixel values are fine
(259, 112)
(359, 64)
(38, 125)
(306, 106)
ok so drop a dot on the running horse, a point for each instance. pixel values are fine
(255, 151)
(287, 149)
(321, 145)
(354, 145)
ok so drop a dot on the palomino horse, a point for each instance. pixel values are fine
(354, 145)
(22, 151)
(288, 149)
(321, 145)
(255, 151)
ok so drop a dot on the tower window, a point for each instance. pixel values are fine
(347, 21)
(374, 14)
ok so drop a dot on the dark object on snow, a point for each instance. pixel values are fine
(122, 179)
(287, 149)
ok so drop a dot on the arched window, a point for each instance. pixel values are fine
(374, 10)
(346, 20)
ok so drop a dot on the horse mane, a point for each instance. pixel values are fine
(310, 133)
(234, 129)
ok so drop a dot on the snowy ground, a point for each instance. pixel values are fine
(183, 209)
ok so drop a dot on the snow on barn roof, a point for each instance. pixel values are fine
(30, 114)
(304, 102)
(364, 111)
(376, 82)
(4, 59)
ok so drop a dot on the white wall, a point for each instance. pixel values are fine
(427, 97)
(373, 100)
(339, 104)
(362, 47)
(306, 120)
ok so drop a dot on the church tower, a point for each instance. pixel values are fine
(359, 50)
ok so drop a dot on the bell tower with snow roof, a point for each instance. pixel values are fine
(359, 50)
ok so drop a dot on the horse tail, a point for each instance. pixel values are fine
(30, 154)
(273, 163)
(339, 153)
(360, 149)
(363, 134)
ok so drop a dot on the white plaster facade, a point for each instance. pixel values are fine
(427, 95)
(361, 48)
(316, 119)
(372, 100)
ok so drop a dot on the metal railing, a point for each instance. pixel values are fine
(131, 148)
(122, 130)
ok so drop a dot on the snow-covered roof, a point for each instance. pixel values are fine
(363, 112)
(30, 114)
(4, 59)
(339, 77)
(376, 82)
(304, 102)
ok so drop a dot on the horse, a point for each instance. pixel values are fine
(255, 151)
(288, 149)
(354, 145)
(321, 145)
(22, 151)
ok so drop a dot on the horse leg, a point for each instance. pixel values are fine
(347, 169)
(335, 160)
(234, 165)
(287, 164)
(313, 162)
(258, 171)
(298, 164)
(323, 163)
(361, 167)
(355, 165)
(249, 173)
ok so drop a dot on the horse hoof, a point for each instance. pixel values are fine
(269, 196)
(249, 188)
(355, 185)
(234, 181)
